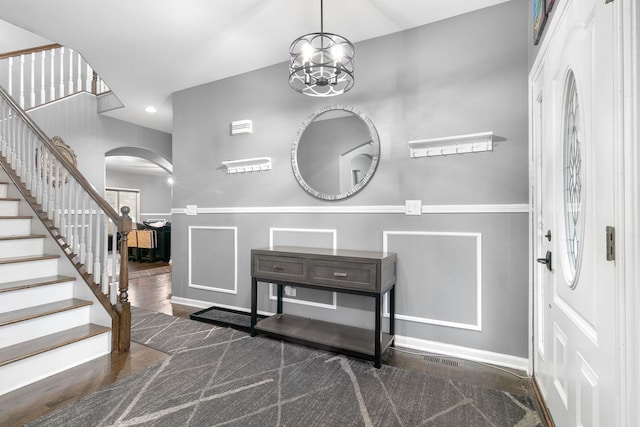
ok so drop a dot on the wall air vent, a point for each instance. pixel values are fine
(241, 126)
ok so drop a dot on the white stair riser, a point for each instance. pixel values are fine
(9, 207)
(3, 190)
(38, 295)
(21, 247)
(35, 368)
(28, 270)
(15, 227)
(41, 326)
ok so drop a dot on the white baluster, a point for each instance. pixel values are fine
(14, 144)
(91, 219)
(70, 71)
(32, 90)
(10, 83)
(61, 89)
(3, 126)
(58, 191)
(96, 266)
(33, 166)
(63, 191)
(52, 89)
(22, 150)
(83, 233)
(42, 177)
(43, 88)
(79, 83)
(105, 255)
(76, 235)
(21, 81)
(89, 78)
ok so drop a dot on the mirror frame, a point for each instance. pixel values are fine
(374, 160)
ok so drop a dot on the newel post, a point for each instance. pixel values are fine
(123, 306)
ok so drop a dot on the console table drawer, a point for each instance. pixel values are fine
(280, 267)
(360, 276)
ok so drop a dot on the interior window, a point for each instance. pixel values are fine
(118, 197)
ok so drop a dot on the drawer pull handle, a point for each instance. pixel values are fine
(278, 267)
(338, 274)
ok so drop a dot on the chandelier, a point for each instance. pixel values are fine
(321, 63)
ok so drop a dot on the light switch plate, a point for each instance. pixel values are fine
(413, 207)
(192, 209)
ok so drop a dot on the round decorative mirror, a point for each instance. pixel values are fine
(335, 153)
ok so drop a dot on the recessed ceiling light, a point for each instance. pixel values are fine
(151, 109)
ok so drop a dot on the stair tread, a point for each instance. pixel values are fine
(16, 217)
(28, 236)
(27, 258)
(41, 310)
(9, 199)
(40, 345)
(31, 283)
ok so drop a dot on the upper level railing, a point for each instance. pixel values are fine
(75, 214)
(39, 75)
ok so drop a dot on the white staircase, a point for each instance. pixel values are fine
(46, 320)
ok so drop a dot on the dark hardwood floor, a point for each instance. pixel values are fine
(150, 288)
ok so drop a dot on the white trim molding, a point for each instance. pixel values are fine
(273, 297)
(512, 208)
(233, 291)
(466, 353)
(477, 326)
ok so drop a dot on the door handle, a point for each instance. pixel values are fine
(546, 260)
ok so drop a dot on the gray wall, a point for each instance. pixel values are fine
(14, 38)
(155, 192)
(463, 75)
(91, 135)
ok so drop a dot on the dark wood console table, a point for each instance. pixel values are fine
(364, 273)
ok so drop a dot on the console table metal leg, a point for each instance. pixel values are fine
(254, 305)
(279, 307)
(392, 313)
(378, 333)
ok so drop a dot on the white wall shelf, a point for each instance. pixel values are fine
(460, 144)
(248, 165)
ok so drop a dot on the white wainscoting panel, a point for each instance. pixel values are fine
(370, 209)
(208, 229)
(476, 239)
(334, 236)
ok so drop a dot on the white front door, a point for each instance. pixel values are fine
(573, 112)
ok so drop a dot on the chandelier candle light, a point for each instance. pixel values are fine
(321, 63)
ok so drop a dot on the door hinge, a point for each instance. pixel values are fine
(607, 1)
(611, 243)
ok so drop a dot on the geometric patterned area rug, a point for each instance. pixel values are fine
(222, 377)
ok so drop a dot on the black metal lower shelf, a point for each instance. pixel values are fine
(350, 340)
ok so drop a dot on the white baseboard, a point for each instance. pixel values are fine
(466, 353)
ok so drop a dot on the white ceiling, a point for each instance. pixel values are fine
(146, 50)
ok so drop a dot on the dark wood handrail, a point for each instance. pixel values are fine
(71, 169)
(30, 50)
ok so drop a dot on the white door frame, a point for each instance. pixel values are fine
(627, 15)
